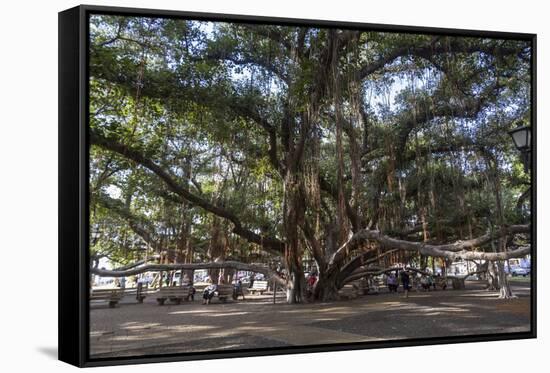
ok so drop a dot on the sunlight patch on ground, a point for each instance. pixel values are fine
(489, 295)
(319, 310)
(228, 347)
(325, 319)
(227, 314)
(137, 326)
(188, 328)
(264, 329)
(198, 312)
(419, 296)
(99, 333)
(442, 309)
(391, 303)
(223, 333)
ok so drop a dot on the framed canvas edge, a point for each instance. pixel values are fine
(73, 316)
(255, 19)
(533, 167)
(71, 251)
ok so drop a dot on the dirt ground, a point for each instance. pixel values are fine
(134, 329)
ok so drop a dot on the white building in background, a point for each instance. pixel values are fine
(461, 268)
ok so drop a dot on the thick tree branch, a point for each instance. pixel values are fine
(134, 270)
(456, 250)
(260, 61)
(269, 243)
(246, 111)
(379, 271)
(270, 33)
(140, 227)
(130, 266)
(327, 187)
(317, 250)
(358, 262)
(435, 47)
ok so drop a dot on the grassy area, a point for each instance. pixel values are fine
(519, 278)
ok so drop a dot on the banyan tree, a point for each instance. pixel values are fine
(214, 142)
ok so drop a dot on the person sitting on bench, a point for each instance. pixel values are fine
(425, 282)
(186, 281)
(441, 282)
(238, 289)
(209, 292)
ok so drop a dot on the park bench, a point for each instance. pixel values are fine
(224, 292)
(361, 287)
(374, 285)
(174, 294)
(441, 282)
(258, 286)
(238, 291)
(349, 291)
(141, 292)
(113, 296)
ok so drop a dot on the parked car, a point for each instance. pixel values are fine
(520, 271)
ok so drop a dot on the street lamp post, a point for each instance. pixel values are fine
(94, 237)
(522, 140)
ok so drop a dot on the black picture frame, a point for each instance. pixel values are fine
(73, 186)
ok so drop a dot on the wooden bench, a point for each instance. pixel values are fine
(174, 294)
(441, 282)
(361, 287)
(258, 286)
(224, 292)
(349, 291)
(141, 292)
(238, 291)
(113, 296)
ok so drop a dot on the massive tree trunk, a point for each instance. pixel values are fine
(293, 217)
(503, 284)
(327, 287)
(184, 248)
(505, 291)
(216, 248)
(492, 276)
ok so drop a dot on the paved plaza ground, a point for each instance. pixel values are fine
(134, 329)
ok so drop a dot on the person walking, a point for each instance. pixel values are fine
(405, 280)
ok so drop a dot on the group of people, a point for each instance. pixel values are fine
(210, 291)
(392, 282)
(427, 282)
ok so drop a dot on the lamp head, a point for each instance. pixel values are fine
(522, 137)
